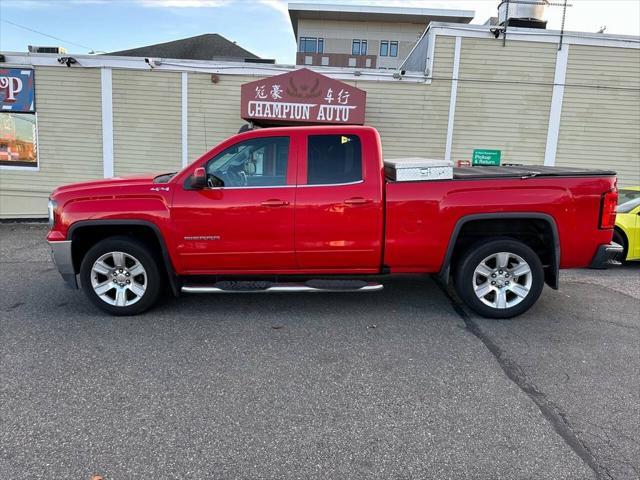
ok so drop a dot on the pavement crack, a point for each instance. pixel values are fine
(13, 307)
(552, 412)
(602, 285)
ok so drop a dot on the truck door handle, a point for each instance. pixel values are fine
(274, 202)
(357, 201)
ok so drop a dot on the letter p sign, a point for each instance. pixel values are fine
(11, 87)
(16, 90)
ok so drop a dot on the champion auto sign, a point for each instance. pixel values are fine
(303, 97)
(16, 90)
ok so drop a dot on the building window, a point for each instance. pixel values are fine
(393, 49)
(384, 48)
(18, 121)
(355, 47)
(359, 47)
(333, 159)
(18, 144)
(311, 45)
(324, 61)
(308, 60)
(352, 62)
(388, 48)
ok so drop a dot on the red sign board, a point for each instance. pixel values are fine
(302, 97)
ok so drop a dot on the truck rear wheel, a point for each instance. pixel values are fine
(499, 278)
(120, 276)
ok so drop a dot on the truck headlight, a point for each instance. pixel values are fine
(52, 212)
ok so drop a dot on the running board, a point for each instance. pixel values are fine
(270, 287)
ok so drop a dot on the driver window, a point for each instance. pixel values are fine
(259, 162)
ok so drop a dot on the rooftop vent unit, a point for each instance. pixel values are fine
(56, 50)
(527, 14)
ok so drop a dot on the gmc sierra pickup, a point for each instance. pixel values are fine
(293, 209)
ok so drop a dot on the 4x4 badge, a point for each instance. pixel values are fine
(160, 189)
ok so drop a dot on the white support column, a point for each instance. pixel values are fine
(107, 122)
(452, 99)
(185, 118)
(555, 113)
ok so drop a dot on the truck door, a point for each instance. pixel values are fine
(338, 213)
(246, 224)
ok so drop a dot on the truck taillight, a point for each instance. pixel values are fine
(608, 209)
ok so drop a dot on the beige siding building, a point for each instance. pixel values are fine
(69, 141)
(108, 116)
(361, 36)
(600, 123)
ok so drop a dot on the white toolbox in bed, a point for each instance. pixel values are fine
(415, 168)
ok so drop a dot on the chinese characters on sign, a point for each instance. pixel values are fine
(302, 96)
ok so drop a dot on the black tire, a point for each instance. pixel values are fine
(621, 239)
(153, 279)
(465, 278)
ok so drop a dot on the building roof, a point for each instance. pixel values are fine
(364, 13)
(209, 46)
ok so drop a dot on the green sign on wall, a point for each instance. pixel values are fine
(486, 157)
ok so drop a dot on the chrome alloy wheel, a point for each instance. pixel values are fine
(119, 279)
(502, 280)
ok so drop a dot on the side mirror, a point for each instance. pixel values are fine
(199, 179)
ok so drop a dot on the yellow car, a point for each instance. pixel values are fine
(627, 231)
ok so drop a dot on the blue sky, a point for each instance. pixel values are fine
(120, 24)
(260, 26)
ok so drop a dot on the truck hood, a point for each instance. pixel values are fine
(112, 186)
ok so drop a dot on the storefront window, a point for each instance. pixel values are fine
(18, 127)
(18, 145)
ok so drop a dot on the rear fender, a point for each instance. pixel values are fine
(551, 274)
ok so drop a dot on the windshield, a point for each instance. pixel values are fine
(164, 178)
(626, 194)
(626, 207)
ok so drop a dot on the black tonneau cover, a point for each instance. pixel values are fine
(469, 173)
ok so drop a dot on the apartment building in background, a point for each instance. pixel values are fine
(362, 36)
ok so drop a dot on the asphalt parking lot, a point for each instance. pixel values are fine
(400, 384)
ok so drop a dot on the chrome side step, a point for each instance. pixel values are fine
(269, 287)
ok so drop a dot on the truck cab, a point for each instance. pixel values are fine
(284, 200)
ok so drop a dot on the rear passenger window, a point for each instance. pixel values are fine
(334, 159)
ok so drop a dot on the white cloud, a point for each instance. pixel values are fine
(184, 3)
(33, 4)
(25, 4)
(278, 5)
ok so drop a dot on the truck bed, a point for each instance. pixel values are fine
(526, 171)
(464, 173)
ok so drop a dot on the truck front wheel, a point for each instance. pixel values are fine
(499, 278)
(120, 276)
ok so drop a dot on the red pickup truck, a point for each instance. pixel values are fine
(292, 209)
